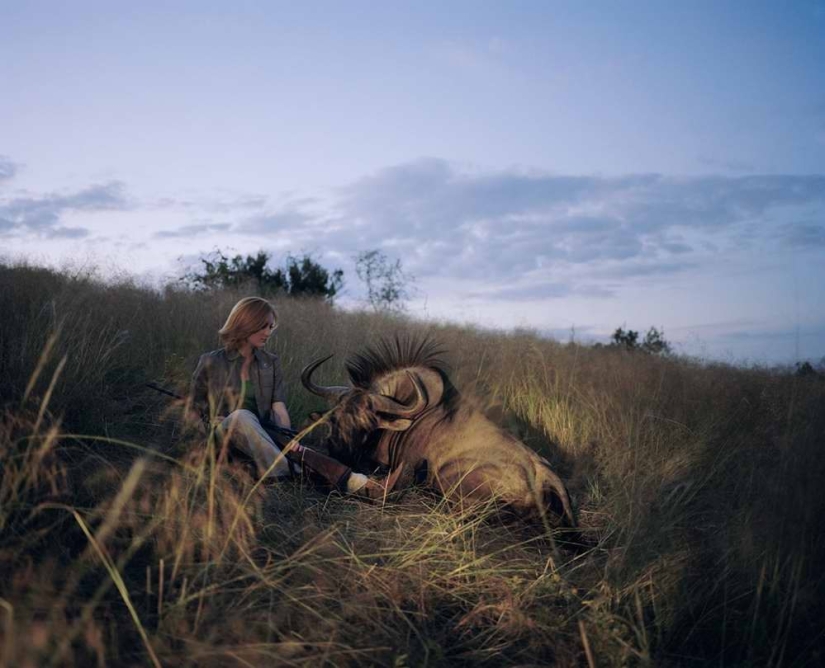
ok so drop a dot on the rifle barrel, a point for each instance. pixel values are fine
(163, 390)
(264, 423)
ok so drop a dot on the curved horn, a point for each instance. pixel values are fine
(385, 404)
(331, 393)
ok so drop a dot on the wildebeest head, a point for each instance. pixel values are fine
(389, 402)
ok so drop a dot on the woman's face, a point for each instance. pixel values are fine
(259, 338)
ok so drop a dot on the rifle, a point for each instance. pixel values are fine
(266, 424)
(332, 471)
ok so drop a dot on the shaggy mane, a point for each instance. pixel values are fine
(399, 352)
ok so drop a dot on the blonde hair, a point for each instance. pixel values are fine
(247, 317)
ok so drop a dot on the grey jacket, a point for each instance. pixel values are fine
(216, 383)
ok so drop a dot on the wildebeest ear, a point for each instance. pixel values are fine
(394, 425)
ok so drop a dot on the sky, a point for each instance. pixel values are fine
(564, 167)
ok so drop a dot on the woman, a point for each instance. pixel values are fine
(240, 386)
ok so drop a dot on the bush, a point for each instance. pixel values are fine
(654, 341)
(302, 277)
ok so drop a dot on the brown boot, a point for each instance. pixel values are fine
(330, 471)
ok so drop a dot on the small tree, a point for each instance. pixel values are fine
(301, 276)
(308, 278)
(386, 282)
(625, 339)
(656, 343)
(220, 271)
(653, 343)
(806, 370)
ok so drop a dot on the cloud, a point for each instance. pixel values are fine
(771, 334)
(642, 268)
(239, 202)
(281, 221)
(42, 215)
(676, 247)
(67, 233)
(541, 290)
(504, 225)
(803, 235)
(192, 231)
(430, 193)
(714, 202)
(107, 197)
(213, 204)
(542, 235)
(738, 166)
(527, 235)
(8, 169)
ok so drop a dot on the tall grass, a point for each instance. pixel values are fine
(125, 539)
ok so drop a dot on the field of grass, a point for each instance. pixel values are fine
(126, 540)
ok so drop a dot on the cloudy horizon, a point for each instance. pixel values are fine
(564, 169)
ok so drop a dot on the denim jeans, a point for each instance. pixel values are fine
(247, 434)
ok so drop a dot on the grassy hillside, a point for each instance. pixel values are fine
(125, 540)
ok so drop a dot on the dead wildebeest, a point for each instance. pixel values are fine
(402, 410)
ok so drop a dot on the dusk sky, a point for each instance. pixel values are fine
(552, 165)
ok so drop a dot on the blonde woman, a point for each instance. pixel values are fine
(239, 388)
(240, 385)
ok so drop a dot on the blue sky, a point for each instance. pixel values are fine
(553, 165)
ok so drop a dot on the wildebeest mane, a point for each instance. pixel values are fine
(400, 352)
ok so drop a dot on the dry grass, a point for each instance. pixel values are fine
(125, 540)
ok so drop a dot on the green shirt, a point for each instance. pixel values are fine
(248, 394)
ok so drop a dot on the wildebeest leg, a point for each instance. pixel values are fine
(555, 496)
(541, 498)
(466, 481)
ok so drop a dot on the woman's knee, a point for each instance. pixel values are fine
(240, 421)
(248, 427)
(240, 417)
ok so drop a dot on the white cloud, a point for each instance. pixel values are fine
(192, 231)
(42, 215)
(506, 224)
(8, 168)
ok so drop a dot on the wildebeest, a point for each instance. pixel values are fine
(401, 409)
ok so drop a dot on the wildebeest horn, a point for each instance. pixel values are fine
(385, 404)
(331, 393)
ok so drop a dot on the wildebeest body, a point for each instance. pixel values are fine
(402, 409)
